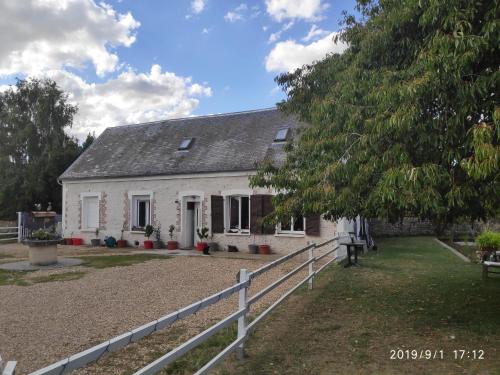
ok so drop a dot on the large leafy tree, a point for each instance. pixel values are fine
(405, 122)
(34, 148)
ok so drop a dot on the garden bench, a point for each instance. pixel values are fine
(486, 268)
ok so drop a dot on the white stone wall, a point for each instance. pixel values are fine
(166, 209)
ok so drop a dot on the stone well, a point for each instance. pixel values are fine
(42, 252)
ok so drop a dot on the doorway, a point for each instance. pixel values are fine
(192, 221)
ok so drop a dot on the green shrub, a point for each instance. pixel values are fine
(489, 239)
(43, 235)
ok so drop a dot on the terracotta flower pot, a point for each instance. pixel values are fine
(148, 244)
(264, 249)
(77, 241)
(121, 243)
(172, 245)
(68, 241)
(200, 246)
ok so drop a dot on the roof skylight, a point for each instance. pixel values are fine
(281, 135)
(186, 143)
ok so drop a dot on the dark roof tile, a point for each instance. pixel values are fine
(222, 143)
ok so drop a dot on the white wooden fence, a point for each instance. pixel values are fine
(7, 368)
(328, 249)
(17, 233)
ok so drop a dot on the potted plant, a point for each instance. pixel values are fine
(96, 241)
(121, 242)
(253, 248)
(158, 244)
(203, 235)
(171, 245)
(77, 241)
(265, 248)
(488, 242)
(148, 231)
(42, 247)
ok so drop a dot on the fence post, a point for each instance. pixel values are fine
(8, 368)
(19, 227)
(242, 324)
(311, 266)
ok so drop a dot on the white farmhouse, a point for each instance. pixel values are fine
(192, 173)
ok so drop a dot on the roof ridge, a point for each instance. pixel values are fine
(195, 117)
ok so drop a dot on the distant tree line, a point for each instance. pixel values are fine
(406, 122)
(34, 147)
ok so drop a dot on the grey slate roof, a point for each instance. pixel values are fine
(222, 143)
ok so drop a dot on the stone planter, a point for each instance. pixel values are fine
(42, 252)
(95, 242)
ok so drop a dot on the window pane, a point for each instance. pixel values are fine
(91, 212)
(245, 211)
(286, 225)
(142, 214)
(234, 213)
(298, 224)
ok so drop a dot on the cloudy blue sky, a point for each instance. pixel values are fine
(129, 61)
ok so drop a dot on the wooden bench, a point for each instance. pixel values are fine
(486, 268)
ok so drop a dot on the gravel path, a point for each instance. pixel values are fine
(46, 322)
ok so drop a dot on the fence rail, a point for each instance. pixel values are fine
(83, 358)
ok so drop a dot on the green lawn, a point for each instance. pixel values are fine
(20, 278)
(411, 295)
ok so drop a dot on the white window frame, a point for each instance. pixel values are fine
(292, 229)
(84, 196)
(134, 198)
(227, 212)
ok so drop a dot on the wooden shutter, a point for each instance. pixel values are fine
(313, 225)
(217, 214)
(267, 209)
(255, 214)
(261, 205)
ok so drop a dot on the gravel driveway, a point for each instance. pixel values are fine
(43, 323)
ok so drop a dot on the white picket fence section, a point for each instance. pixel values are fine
(18, 233)
(7, 368)
(81, 359)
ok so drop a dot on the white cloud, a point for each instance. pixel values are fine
(237, 14)
(197, 6)
(40, 35)
(129, 98)
(315, 33)
(310, 10)
(277, 35)
(290, 55)
(205, 30)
